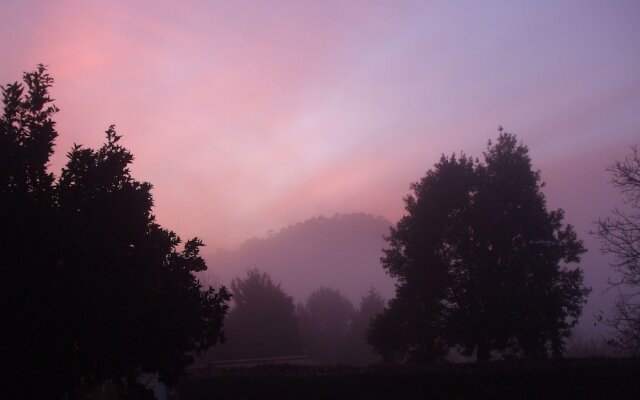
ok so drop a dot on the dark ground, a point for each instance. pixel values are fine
(558, 379)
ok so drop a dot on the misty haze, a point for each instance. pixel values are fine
(320, 199)
(341, 252)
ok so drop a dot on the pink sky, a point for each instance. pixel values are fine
(249, 116)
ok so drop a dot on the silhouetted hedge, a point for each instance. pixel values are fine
(560, 379)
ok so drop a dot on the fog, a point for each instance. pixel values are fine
(340, 252)
(265, 149)
(343, 252)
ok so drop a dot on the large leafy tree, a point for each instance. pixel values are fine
(29, 239)
(620, 236)
(421, 256)
(95, 290)
(514, 291)
(481, 263)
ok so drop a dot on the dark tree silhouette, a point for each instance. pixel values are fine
(95, 290)
(263, 321)
(29, 240)
(419, 256)
(513, 291)
(480, 263)
(620, 236)
(324, 323)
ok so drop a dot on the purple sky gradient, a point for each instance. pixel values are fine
(250, 116)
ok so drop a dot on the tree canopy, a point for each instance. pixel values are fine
(94, 289)
(359, 351)
(480, 263)
(262, 322)
(324, 322)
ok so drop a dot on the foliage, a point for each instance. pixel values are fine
(480, 263)
(620, 237)
(359, 351)
(324, 323)
(94, 289)
(263, 321)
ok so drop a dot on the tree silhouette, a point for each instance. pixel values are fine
(419, 256)
(95, 290)
(29, 238)
(262, 322)
(480, 263)
(324, 323)
(620, 236)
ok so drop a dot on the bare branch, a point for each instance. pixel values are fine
(620, 237)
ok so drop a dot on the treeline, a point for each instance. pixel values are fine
(265, 323)
(95, 292)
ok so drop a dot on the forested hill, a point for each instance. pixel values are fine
(341, 252)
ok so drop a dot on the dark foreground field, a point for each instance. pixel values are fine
(562, 379)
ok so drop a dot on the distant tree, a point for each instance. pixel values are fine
(324, 323)
(95, 291)
(620, 236)
(358, 350)
(263, 322)
(480, 263)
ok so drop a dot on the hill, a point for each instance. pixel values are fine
(341, 252)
